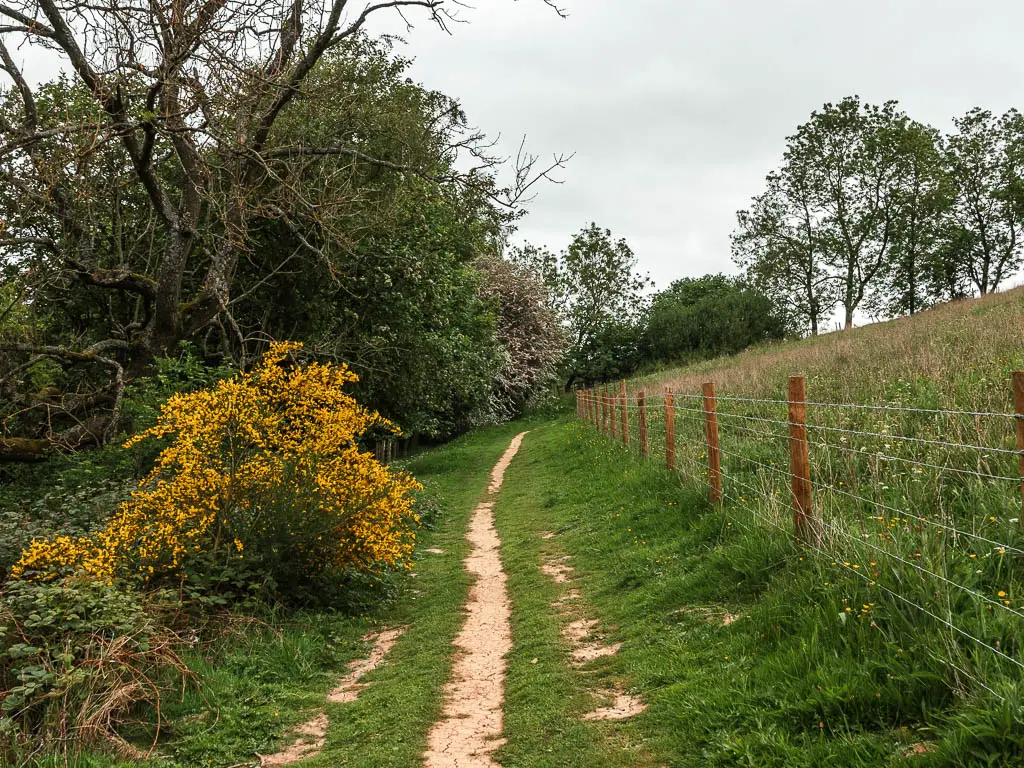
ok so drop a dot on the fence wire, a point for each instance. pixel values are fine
(925, 507)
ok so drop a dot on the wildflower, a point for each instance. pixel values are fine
(237, 447)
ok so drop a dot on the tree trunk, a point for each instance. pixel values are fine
(23, 449)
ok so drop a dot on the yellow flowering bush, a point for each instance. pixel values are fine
(265, 466)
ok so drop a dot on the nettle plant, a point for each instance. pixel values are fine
(263, 472)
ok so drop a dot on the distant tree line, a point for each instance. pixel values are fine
(873, 212)
(615, 327)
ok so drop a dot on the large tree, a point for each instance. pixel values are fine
(852, 154)
(187, 137)
(778, 243)
(854, 217)
(596, 288)
(921, 200)
(985, 163)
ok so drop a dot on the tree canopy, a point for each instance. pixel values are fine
(229, 179)
(874, 212)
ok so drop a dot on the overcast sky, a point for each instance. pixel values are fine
(676, 109)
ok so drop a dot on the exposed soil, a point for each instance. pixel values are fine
(622, 706)
(348, 687)
(711, 614)
(471, 723)
(578, 631)
(309, 741)
(559, 571)
(586, 644)
(311, 735)
(591, 651)
(567, 597)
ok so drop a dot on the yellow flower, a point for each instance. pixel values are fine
(270, 434)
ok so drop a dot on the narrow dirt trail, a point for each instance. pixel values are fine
(471, 721)
(311, 735)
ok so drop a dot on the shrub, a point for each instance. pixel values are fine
(264, 466)
(75, 658)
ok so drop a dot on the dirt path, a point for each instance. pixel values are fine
(585, 643)
(471, 722)
(311, 735)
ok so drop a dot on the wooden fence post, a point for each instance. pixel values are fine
(641, 402)
(800, 464)
(604, 409)
(608, 415)
(711, 433)
(613, 401)
(625, 412)
(670, 431)
(1018, 407)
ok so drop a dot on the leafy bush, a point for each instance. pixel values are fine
(266, 467)
(75, 493)
(705, 317)
(75, 658)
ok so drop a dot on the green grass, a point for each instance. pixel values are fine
(926, 534)
(258, 680)
(748, 650)
(545, 698)
(794, 680)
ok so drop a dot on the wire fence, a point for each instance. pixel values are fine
(923, 505)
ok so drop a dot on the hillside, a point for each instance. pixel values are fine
(957, 355)
(912, 520)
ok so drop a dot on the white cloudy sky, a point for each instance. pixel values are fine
(676, 109)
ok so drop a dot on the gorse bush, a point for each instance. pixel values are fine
(263, 472)
(73, 493)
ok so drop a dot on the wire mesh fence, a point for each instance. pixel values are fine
(922, 505)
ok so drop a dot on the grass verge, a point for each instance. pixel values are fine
(747, 650)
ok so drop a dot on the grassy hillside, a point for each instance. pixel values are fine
(957, 355)
(916, 494)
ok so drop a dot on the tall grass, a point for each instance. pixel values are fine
(917, 496)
